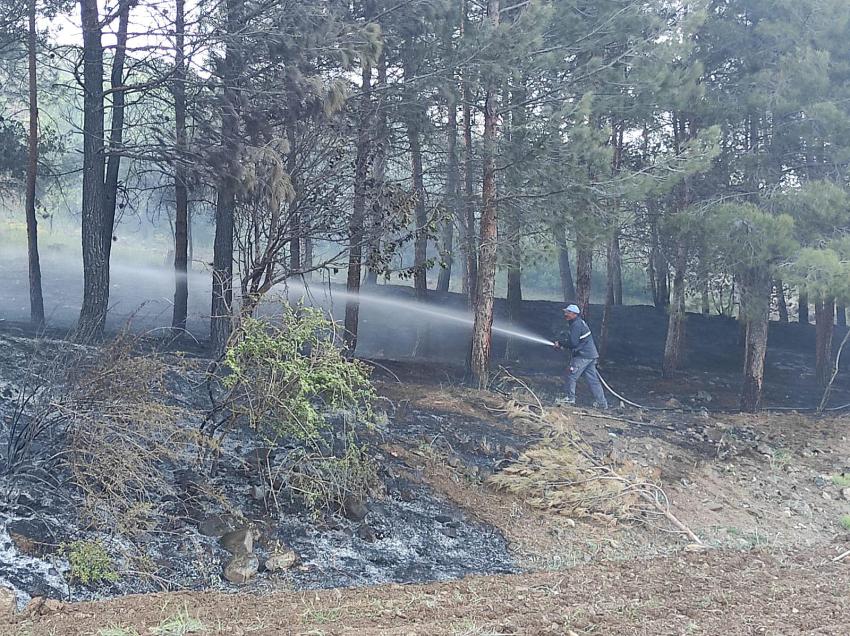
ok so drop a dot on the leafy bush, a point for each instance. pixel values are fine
(90, 563)
(284, 377)
(845, 522)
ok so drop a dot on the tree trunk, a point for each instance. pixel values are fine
(295, 257)
(355, 226)
(515, 131)
(379, 173)
(452, 197)
(181, 191)
(584, 273)
(568, 288)
(610, 293)
(674, 345)
(757, 310)
(95, 257)
(841, 315)
(803, 309)
(659, 271)
(221, 313)
(485, 287)
(617, 257)
(471, 250)
(308, 258)
(116, 130)
(824, 330)
(781, 303)
(34, 264)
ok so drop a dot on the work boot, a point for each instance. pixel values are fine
(600, 407)
(565, 402)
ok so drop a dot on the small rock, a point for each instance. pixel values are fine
(846, 494)
(214, 526)
(34, 607)
(238, 542)
(764, 449)
(695, 547)
(442, 518)
(280, 561)
(715, 506)
(449, 531)
(366, 533)
(826, 495)
(704, 396)
(51, 606)
(354, 509)
(673, 403)
(242, 568)
(405, 494)
(454, 461)
(8, 602)
(258, 493)
(821, 481)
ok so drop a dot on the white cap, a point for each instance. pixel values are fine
(574, 309)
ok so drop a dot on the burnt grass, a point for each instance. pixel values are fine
(412, 532)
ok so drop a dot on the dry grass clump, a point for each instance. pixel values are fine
(121, 434)
(562, 476)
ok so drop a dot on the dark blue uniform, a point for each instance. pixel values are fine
(579, 340)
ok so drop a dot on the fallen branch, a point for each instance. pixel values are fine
(841, 556)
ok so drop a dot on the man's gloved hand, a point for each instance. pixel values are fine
(558, 346)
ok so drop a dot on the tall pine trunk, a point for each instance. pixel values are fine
(297, 233)
(610, 293)
(674, 344)
(379, 172)
(659, 270)
(781, 303)
(568, 288)
(221, 312)
(181, 191)
(824, 330)
(452, 196)
(516, 125)
(358, 215)
(34, 264)
(95, 257)
(482, 330)
(471, 247)
(116, 128)
(803, 309)
(756, 309)
(584, 273)
(841, 315)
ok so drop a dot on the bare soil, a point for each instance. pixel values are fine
(720, 592)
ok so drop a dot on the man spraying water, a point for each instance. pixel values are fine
(579, 340)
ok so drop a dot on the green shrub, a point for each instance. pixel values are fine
(842, 481)
(90, 563)
(845, 522)
(283, 377)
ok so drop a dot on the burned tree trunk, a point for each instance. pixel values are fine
(471, 247)
(674, 345)
(610, 293)
(358, 215)
(841, 315)
(482, 330)
(659, 271)
(181, 191)
(95, 257)
(34, 263)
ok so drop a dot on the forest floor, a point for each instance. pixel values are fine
(454, 550)
(765, 494)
